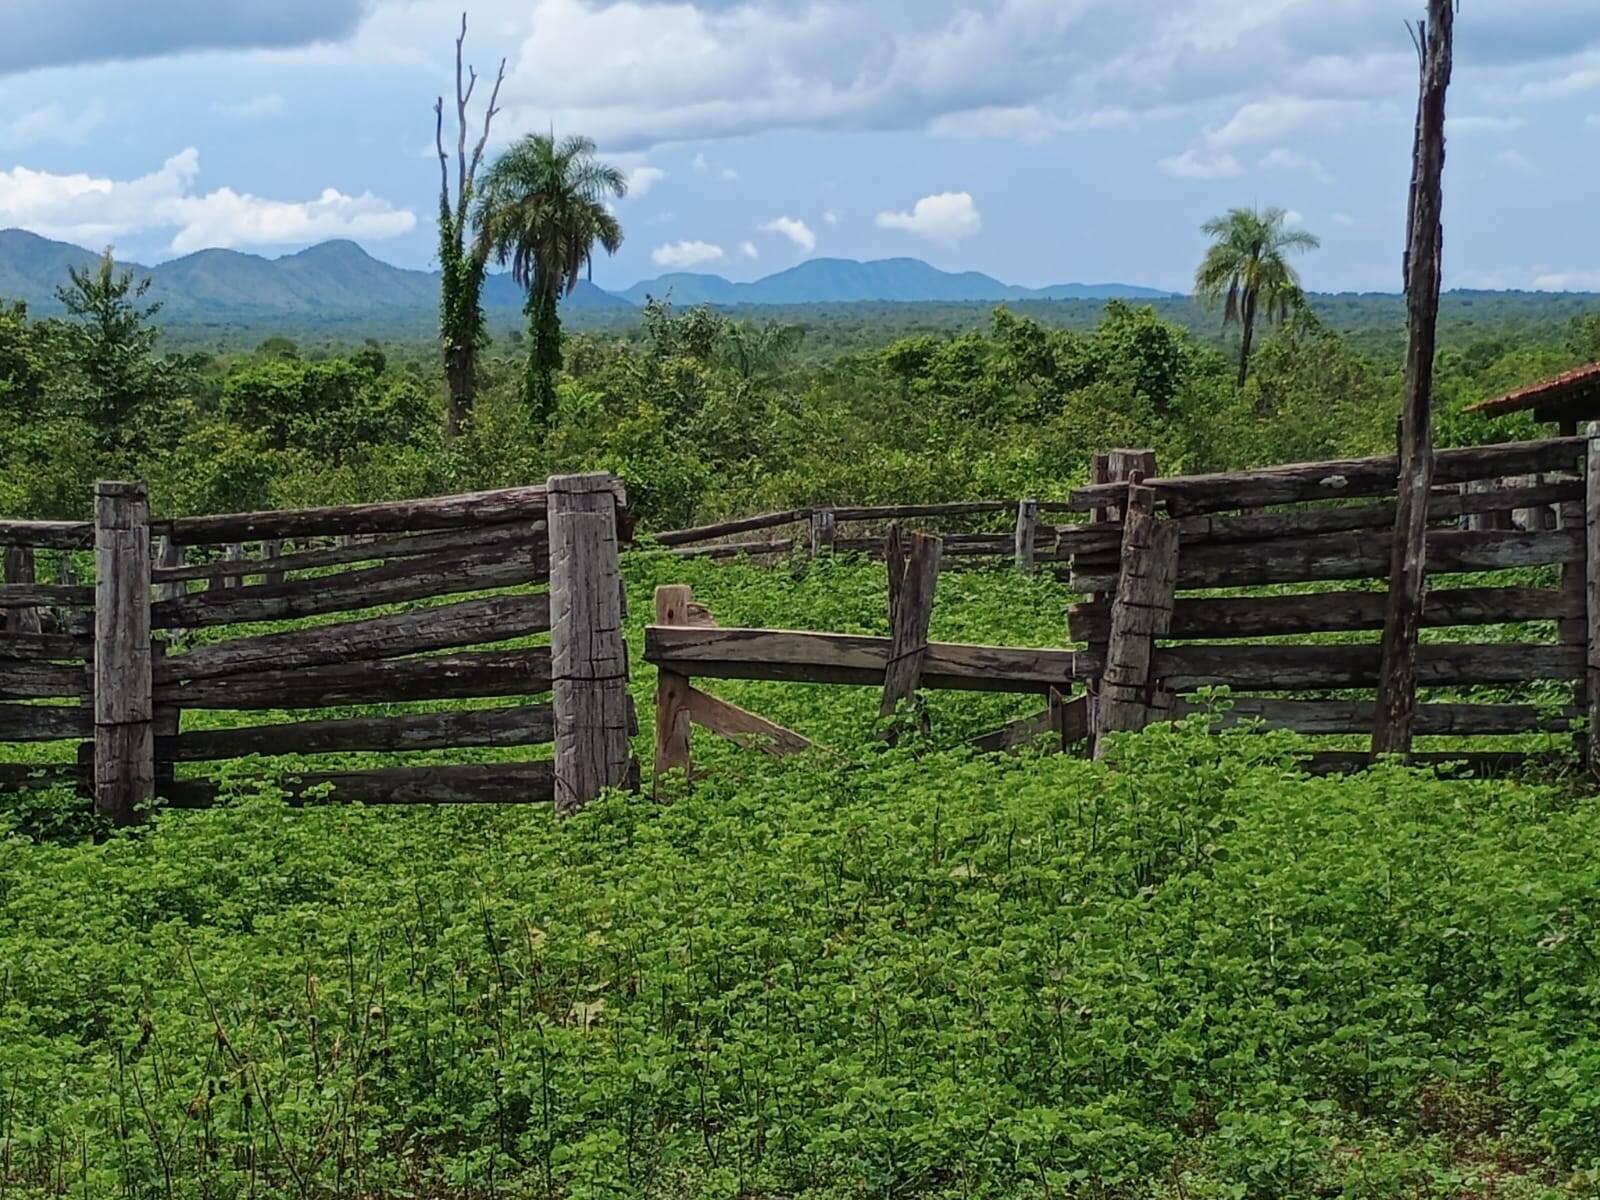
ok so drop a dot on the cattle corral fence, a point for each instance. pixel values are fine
(107, 662)
(1186, 578)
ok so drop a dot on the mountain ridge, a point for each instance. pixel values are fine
(339, 279)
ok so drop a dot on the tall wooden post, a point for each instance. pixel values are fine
(20, 568)
(672, 690)
(914, 560)
(1027, 534)
(169, 553)
(1141, 611)
(589, 663)
(823, 525)
(124, 751)
(1591, 514)
(1397, 677)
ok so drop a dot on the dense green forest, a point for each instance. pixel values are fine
(706, 413)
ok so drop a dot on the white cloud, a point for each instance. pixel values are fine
(269, 104)
(1344, 219)
(1199, 164)
(947, 217)
(831, 217)
(796, 230)
(50, 123)
(748, 249)
(641, 179)
(1567, 281)
(1284, 159)
(94, 209)
(704, 166)
(1275, 119)
(1025, 122)
(681, 255)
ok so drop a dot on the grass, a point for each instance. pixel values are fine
(1192, 973)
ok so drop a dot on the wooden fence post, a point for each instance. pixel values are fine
(169, 553)
(914, 560)
(1591, 515)
(672, 690)
(19, 564)
(589, 663)
(1027, 534)
(1140, 612)
(272, 548)
(124, 751)
(823, 526)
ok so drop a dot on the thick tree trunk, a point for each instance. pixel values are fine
(460, 373)
(544, 355)
(1248, 336)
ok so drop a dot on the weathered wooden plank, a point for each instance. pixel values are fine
(474, 783)
(1348, 556)
(673, 738)
(1067, 719)
(721, 529)
(956, 545)
(38, 595)
(419, 545)
(751, 731)
(1337, 480)
(22, 777)
(401, 516)
(479, 674)
(824, 528)
(391, 583)
(1246, 667)
(1591, 536)
(44, 722)
(808, 657)
(464, 623)
(19, 570)
(1141, 611)
(589, 662)
(23, 679)
(48, 535)
(1338, 717)
(515, 726)
(1197, 530)
(735, 549)
(900, 512)
(1465, 763)
(916, 573)
(1334, 612)
(45, 647)
(1027, 535)
(124, 759)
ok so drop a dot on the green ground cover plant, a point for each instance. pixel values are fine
(1189, 972)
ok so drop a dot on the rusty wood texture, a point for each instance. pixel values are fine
(589, 662)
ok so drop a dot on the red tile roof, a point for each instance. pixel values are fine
(1581, 385)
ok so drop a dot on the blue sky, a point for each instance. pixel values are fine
(1041, 141)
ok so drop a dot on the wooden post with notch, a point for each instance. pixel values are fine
(914, 560)
(1395, 711)
(124, 750)
(1027, 534)
(672, 690)
(589, 663)
(1141, 611)
(823, 526)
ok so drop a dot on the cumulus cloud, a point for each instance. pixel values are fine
(1516, 161)
(704, 166)
(268, 105)
(48, 33)
(1567, 281)
(681, 255)
(831, 217)
(796, 230)
(50, 123)
(94, 209)
(947, 217)
(748, 249)
(642, 179)
(1200, 164)
(1284, 159)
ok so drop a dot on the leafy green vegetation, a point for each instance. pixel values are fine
(1190, 973)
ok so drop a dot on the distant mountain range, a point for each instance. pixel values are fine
(339, 280)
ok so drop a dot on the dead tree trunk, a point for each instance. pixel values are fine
(1397, 680)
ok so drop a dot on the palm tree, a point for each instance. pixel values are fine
(1246, 267)
(542, 207)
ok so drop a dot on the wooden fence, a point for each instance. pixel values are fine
(109, 663)
(1273, 540)
(821, 529)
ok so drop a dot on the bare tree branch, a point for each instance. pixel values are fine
(488, 117)
(438, 141)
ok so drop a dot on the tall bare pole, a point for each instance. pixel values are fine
(1397, 679)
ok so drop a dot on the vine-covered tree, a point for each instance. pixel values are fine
(461, 264)
(543, 207)
(1248, 269)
